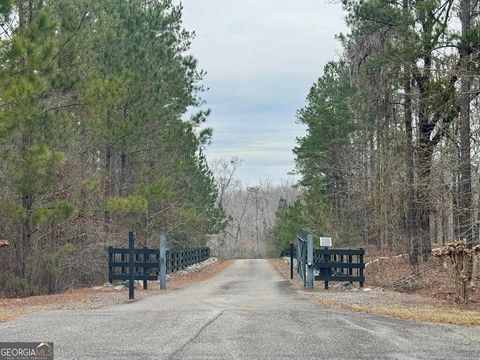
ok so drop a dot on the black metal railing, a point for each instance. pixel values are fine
(331, 264)
(146, 264)
(339, 265)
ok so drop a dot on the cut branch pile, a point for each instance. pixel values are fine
(385, 258)
(411, 281)
(464, 263)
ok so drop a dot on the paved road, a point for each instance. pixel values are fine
(246, 312)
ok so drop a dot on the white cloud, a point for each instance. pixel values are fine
(261, 57)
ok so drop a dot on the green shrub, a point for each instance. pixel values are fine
(21, 287)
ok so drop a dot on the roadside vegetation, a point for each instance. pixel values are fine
(390, 158)
(101, 131)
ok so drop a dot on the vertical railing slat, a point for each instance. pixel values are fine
(131, 268)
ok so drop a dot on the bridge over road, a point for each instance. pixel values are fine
(248, 311)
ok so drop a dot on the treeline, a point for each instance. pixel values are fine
(250, 211)
(93, 137)
(390, 158)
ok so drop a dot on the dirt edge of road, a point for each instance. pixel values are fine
(102, 296)
(389, 303)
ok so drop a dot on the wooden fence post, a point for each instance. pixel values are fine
(110, 268)
(146, 270)
(328, 271)
(361, 269)
(131, 265)
(350, 270)
(162, 274)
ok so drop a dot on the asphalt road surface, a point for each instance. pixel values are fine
(248, 311)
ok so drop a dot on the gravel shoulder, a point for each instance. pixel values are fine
(385, 302)
(101, 296)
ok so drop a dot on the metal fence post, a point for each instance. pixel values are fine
(131, 267)
(162, 274)
(310, 261)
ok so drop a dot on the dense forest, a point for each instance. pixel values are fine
(390, 157)
(101, 131)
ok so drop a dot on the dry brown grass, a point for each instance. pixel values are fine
(391, 303)
(5, 316)
(460, 317)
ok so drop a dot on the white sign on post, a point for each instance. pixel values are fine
(325, 241)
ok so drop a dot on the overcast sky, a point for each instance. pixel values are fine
(261, 57)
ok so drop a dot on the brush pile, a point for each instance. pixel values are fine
(463, 265)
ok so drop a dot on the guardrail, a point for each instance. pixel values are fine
(150, 264)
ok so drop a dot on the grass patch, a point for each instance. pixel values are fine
(440, 315)
(445, 316)
(5, 316)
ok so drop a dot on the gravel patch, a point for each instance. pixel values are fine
(193, 268)
(353, 295)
